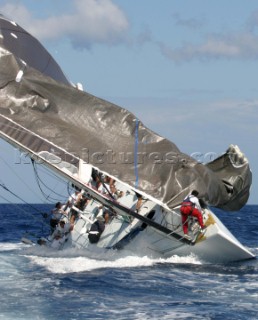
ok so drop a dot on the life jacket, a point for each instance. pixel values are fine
(187, 206)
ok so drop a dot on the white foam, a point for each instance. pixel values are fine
(80, 264)
(8, 246)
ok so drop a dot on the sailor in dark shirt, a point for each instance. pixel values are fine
(96, 230)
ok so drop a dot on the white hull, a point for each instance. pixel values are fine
(155, 230)
(218, 245)
(124, 232)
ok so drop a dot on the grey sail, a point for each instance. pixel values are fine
(41, 111)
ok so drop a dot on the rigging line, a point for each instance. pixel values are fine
(46, 196)
(42, 192)
(61, 196)
(15, 195)
(43, 222)
(42, 182)
(21, 209)
(48, 171)
(22, 180)
(39, 180)
(51, 175)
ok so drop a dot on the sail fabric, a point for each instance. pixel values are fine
(27, 48)
(42, 111)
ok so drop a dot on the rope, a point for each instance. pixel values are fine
(32, 215)
(22, 180)
(15, 195)
(51, 174)
(29, 188)
(39, 182)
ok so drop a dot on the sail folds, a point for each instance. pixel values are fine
(42, 112)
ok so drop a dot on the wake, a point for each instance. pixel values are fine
(75, 260)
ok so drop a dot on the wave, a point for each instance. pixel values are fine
(73, 260)
(9, 246)
(66, 264)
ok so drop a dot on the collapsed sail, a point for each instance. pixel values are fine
(41, 111)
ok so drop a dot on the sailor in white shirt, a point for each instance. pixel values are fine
(61, 234)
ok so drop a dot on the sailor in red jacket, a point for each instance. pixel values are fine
(191, 206)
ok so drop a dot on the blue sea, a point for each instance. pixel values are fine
(37, 283)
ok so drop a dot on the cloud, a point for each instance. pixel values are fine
(144, 37)
(238, 45)
(167, 113)
(231, 46)
(191, 23)
(91, 22)
(252, 22)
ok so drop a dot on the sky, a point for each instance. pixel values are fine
(186, 68)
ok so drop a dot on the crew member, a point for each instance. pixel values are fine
(191, 207)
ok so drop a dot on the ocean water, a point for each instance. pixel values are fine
(72, 284)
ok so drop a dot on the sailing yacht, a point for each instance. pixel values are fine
(79, 136)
